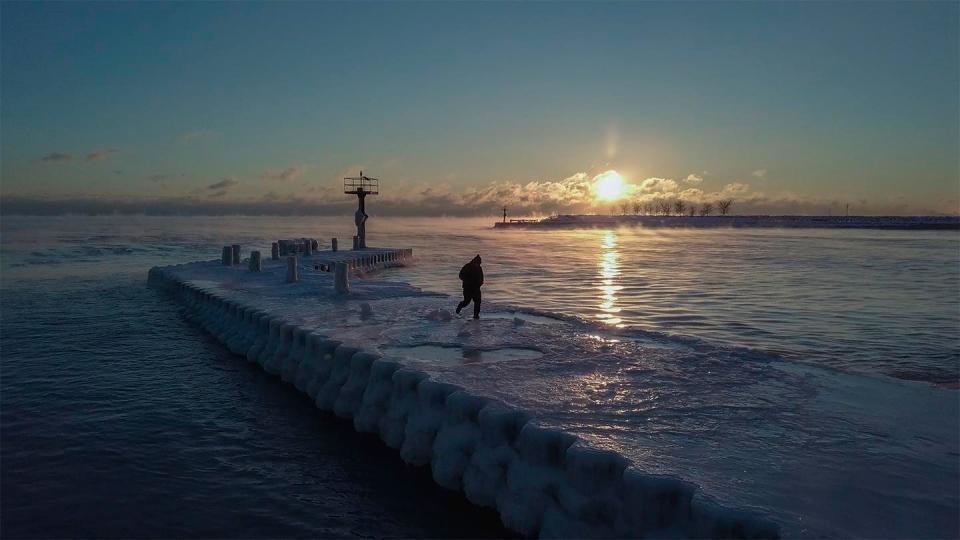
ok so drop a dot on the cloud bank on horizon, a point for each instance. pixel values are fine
(572, 195)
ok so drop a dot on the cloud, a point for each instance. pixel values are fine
(56, 156)
(736, 188)
(290, 173)
(653, 185)
(569, 195)
(222, 185)
(101, 155)
(759, 173)
(693, 179)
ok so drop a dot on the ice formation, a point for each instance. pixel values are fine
(543, 481)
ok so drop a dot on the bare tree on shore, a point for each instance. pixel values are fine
(636, 208)
(679, 206)
(706, 209)
(625, 208)
(663, 207)
(724, 206)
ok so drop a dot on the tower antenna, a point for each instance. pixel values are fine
(361, 186)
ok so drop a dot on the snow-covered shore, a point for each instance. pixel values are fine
(542, 480)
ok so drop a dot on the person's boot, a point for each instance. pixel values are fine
(459, 307)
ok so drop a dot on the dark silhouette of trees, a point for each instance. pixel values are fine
(706, 209)
(679, 206)
(664, 207)
(724, 206)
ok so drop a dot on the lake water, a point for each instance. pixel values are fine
(119, 419)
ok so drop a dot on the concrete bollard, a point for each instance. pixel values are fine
(308, 248)
(292, 267)
(254, 261)
(236, 253)
(315, 244)
(356, 242)
(275, 251)
(227, 257)
(341, 278)
(333, 244)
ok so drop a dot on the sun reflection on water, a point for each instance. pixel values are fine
(609, 278)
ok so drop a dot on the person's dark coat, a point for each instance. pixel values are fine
(472, 275)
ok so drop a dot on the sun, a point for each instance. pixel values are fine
(609, 187)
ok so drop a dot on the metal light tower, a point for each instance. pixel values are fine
(361, 186)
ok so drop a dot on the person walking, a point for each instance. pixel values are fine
(472, 276)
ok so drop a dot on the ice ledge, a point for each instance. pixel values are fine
(542, 481)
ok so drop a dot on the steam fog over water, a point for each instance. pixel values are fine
(107, 392)
(873, 301)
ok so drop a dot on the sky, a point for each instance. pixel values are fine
(462, 108)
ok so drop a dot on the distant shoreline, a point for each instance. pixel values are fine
(786, 222)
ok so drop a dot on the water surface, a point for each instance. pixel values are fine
(119, 419)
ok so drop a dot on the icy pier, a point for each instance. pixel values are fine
(365, 356)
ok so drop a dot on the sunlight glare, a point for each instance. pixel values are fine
(609, 187)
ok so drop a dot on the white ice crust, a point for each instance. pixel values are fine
(542, 481)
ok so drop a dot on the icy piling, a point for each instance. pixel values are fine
(542, 481)
(292, 274)
(341, 278)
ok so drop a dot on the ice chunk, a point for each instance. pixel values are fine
(292, 363)
(328, 393)
(457, 438)
(376, 396)
(485, 475)
(439, 315)
(351, 394)
(403, 400)
(324, 367)
(424, 421)
(275, 362)
(533, 479)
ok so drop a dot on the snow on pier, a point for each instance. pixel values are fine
(452, 394)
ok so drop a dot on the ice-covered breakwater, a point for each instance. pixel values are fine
(542, 481)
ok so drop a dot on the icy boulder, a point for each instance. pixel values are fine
(424, 421)
(485, 476)
(457, 438)
(403, 401)
(376, 396)
(350, 398)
